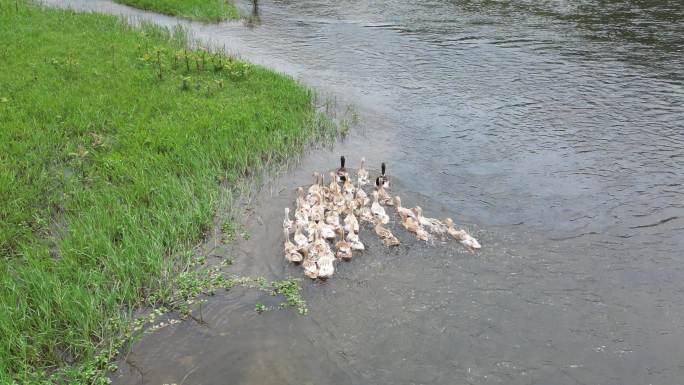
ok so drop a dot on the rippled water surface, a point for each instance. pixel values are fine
(552, 129)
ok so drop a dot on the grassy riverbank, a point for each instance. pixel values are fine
(204, 10)
(114, 145)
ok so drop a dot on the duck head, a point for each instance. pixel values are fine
(382, 168)
(342, 161)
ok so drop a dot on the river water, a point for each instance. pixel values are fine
(552, 129)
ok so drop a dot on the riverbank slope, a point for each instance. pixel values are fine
(115, 145)
(203, 10)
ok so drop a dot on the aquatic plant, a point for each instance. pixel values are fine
(291, 290)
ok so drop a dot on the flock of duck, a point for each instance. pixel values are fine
(318, 212)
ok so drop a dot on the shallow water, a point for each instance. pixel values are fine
(551, 129)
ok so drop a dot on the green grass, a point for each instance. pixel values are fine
(114, 145)
(205, 10)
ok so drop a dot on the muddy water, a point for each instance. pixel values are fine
(553, 130)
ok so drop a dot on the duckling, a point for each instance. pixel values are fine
(384, 179)
(412, 225)
(287, 222)
(388, 239)
(378, 210)
(432, 224)
(461, 235)
(354, 241)
(362, 173)
(291, 252)
(351, 224)
(383, 196)
(403, 211)
(341, 172)
(344, 251)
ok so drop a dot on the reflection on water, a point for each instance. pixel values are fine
(552, 128)
(253, 19)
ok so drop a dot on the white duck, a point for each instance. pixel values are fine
(333, 219)
(326, 258)
(378, 211)
(287, 222)
(355, 242)
(310, 267)
(432, 224)
(301, 241)
(383, 196)
(362, 173)
(401, 210)
(315, 250)
(291, 252)
(315, 187)
(302, 211)
(344, 251)
(325, 230)
(365, 214)
(301, 200)
(351, 224)
(317, 211)
(348, 190)
(388, 239)
(362, 196)
(412, 225)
